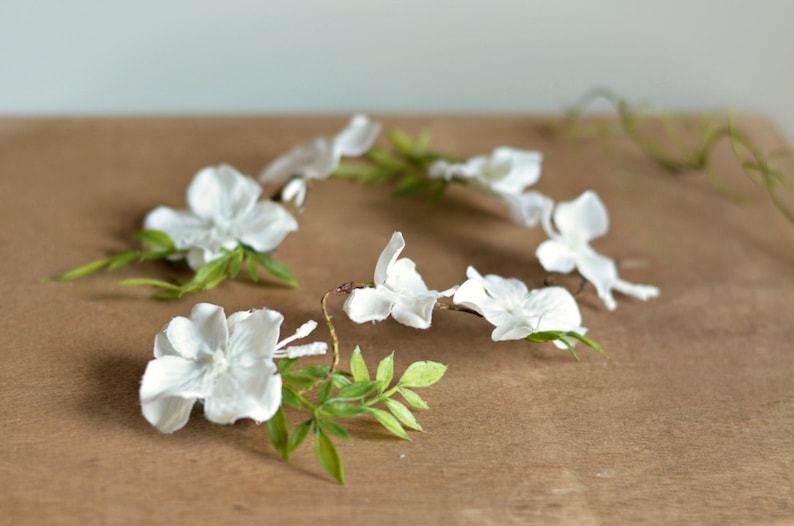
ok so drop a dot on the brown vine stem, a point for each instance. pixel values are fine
(459, 308)
(345, 288)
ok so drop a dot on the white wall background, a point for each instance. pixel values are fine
(202, 56)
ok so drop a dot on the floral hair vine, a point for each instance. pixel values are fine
(228, 364)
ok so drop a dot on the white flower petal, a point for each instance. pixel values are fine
(557, 308)
(643, 292)
(516, 169)
(404, 279)
(471, 294)
(583, 219)
(388, 257)
(295, 190)
(200, 335)
(266, 225)
(302, 332)
(309, 349)
(169, 413)
(172, 376)
(245, 392)
(555, 257)
(254, 336)
(415, 311)
(357, 137)
(515, 328)
(367, 305)
(222, 192)
(527, 209)
(602, 273)
(182, 227)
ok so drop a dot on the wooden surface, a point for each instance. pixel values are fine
(690, 418)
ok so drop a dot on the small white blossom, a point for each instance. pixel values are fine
(399, 291)
(528, 208)
(223, 213)
(227, 363)
(578, 222)
(515, 311)
(319, 158)
(505, 171)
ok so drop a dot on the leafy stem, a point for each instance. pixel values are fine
(691, 158)
(405, 166)
(161, 246)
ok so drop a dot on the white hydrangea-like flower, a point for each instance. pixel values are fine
(227, 363)
(577, 223)
(399, 291)
(506, 171)
(319, 158)
(224, 212)
(514, 310)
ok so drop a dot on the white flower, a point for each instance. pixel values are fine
(578, 222)
(227, 363)
(318, 158)
(528, 208)
(224, 213)
(399, 291)
(515, 311)
(505, 171)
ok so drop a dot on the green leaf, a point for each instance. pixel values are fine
(328, 456)
(403, 414)
(357, 366)
(389, 422)
(402, 141)
(276, 269)
(155, 238)
(210, 272)
(335, 429)
(289, 398)
(313, 371)
(384, 158)
(148, 282)
(83, 270)
(236, 263)
(356, 390)
(411, 184)
(325, 391)
(300, 434)
(278, 432)
(250, 264)
(385, 372)
(343, 409)
(122, 258)
(413, 399)
(423, 374)
(340, 380)
(422, 142)
(285, 364)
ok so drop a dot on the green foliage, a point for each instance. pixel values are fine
(565, 338)
(678, 154)
(341, 395)
(161, 246)
(405, 167)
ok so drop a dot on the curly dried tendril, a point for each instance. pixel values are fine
(678, 156)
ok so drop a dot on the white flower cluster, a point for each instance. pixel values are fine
(507, 173)
(515, 311)
(224, 207)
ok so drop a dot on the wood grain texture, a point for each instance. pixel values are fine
(690, 418)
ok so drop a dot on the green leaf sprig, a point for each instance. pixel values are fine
(404, 166)
(339, 395)
(160, 246)
(678, 156)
